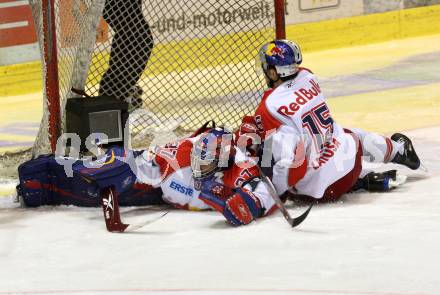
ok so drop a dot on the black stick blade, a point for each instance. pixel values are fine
(298, 220)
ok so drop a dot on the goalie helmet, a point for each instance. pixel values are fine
(211, 152)
(284, 55)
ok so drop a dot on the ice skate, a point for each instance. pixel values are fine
(409, 157)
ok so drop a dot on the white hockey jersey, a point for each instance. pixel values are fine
(295, 117)
(170, 168)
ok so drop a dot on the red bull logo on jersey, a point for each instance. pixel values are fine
(303, 96)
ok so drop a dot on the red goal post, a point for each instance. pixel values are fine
(201, 66)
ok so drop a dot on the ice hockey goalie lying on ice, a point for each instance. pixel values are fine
(204, 172)
(313, 155)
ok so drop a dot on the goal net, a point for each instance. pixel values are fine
(180, 62)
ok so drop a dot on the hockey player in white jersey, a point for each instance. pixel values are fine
(312, 154)
(207, 172)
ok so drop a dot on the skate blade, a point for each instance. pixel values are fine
(400, 179)
(423, 168)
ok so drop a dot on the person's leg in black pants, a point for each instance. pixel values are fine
(130, 49)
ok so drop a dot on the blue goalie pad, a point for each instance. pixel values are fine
(43, 181)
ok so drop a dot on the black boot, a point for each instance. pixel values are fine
(380, 181)
(409, 157)
(376, 182)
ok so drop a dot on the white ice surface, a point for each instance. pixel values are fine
(366, 244)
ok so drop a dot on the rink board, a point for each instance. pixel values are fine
(339, 33)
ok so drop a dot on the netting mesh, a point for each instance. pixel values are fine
(181, 62)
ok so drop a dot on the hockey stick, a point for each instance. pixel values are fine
(112, 216)
(292, 221)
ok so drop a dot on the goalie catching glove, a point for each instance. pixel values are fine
(239, 206)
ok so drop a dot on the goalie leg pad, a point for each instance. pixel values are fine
(43, 181)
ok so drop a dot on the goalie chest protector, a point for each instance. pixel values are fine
(43, 181)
